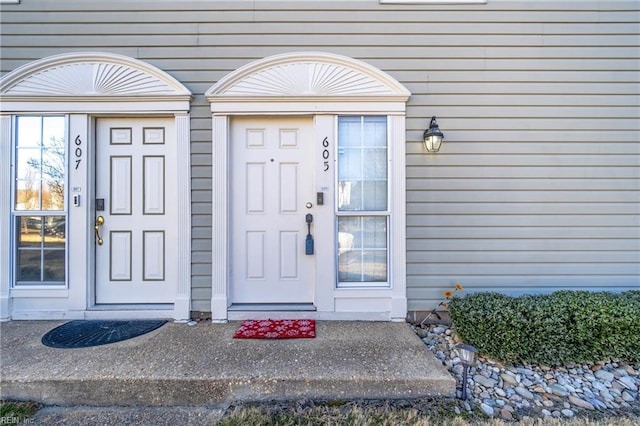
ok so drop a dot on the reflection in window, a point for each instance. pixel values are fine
(39, 202)
(362, 163)
(40, 163)
(41, 244)
(362, 249)
(362, 201)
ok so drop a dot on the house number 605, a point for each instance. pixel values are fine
(325, 153)
(78, 151)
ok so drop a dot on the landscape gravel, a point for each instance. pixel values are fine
(513, 392)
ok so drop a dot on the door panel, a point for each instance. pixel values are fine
(272, 179)
(134, 175)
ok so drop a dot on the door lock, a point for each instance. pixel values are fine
(99, 223)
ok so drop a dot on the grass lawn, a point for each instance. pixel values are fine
(423, 412)
(15, 412)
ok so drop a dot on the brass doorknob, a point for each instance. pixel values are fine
(99, 223)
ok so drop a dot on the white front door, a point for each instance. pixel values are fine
(135, 179)
(271, 184)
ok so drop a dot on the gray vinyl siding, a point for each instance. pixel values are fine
(537, 186)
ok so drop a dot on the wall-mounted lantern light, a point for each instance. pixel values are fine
(433, 136)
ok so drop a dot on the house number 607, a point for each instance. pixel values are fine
(325, 153)
(78, 151)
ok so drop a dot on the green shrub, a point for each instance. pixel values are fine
(560, 328)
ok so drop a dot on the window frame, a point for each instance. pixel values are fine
(386, 213)
(42, 214)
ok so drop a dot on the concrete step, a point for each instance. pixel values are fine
(181, 365)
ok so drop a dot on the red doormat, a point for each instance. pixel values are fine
(276, 329)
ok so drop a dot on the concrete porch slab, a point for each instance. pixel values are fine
(181, 365)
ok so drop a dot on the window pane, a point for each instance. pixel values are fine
(53, 132)
(29, 132)
(350, 166)
(349, 131)
(54, 265)
(29, 231)
(375, 131)
(54, 231)
(374, 232)
(376, 164)
(362, 195)
(28, 164)
(28, 195)
(53, 166)
(374, 196)
(362, 249)
(52, 195)
(29, 265)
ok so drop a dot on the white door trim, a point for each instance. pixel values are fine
(292, 84)
(99, 84)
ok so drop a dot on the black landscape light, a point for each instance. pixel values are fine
(467, 355)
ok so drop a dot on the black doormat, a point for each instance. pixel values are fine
(84, 334)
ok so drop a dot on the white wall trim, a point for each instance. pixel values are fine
(308, 83)
(220, 213)
(309, 77)
(398, 226)
(91, 82)
(5, 216)
(97, 83)
(182, 304)
(90, 74)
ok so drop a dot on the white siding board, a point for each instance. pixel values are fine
(537, 185)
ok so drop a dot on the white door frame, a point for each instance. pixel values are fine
(322, 85)
(98, 84)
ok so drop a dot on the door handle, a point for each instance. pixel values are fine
(99, 223)
(309, 241)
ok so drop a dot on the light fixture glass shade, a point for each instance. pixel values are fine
(432, 143)
(467, 353)
(433, 136)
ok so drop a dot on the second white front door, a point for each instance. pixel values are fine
(272, 191)
(135, 212)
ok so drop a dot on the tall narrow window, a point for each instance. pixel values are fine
(39, 201)
(363, 213)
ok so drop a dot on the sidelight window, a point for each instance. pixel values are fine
(39, 207)
(362, 213)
